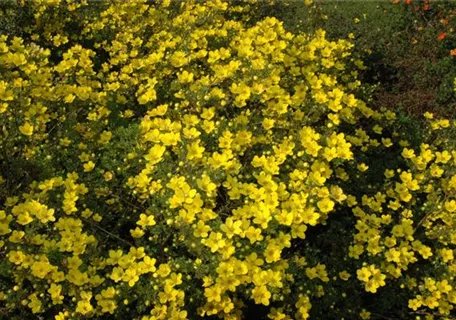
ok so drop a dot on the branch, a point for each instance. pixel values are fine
(107, 232)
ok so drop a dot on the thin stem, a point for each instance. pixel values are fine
(128, 202)
(107, 232)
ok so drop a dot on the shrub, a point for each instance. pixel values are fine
(169, 160)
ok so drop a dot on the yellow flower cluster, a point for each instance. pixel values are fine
(190, 163)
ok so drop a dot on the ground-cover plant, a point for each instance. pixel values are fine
(184, 160)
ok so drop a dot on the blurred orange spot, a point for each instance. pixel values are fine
(442, 36)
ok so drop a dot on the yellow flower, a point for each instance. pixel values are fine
(3, 107)
(268, 123)
(408, 153)
(363, 274)
(450, 206)
(147, 265)
(137, 233)
(107, 306)
(444, 287)
(105, 136)
(40, 269)
(272, 253)
(231, 227)
(185, 77)
(163, 270)
(108, 176)
(35, 303)
(178, 59)
(146, 220)
(84, 307)
(130, 276)
(365, 314)
(16, 236)
(253, 234)
(447, 255)
(325, 205)
(108, 293)
(428, 115)
(414, 304)
(194, 151)
(344, 275)
(362, 167)
(215, 241)
(16, 257)
(213, 294)
(261, 295)
(88, 166)
(55, 292)
(26, 129)
(117, 274)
